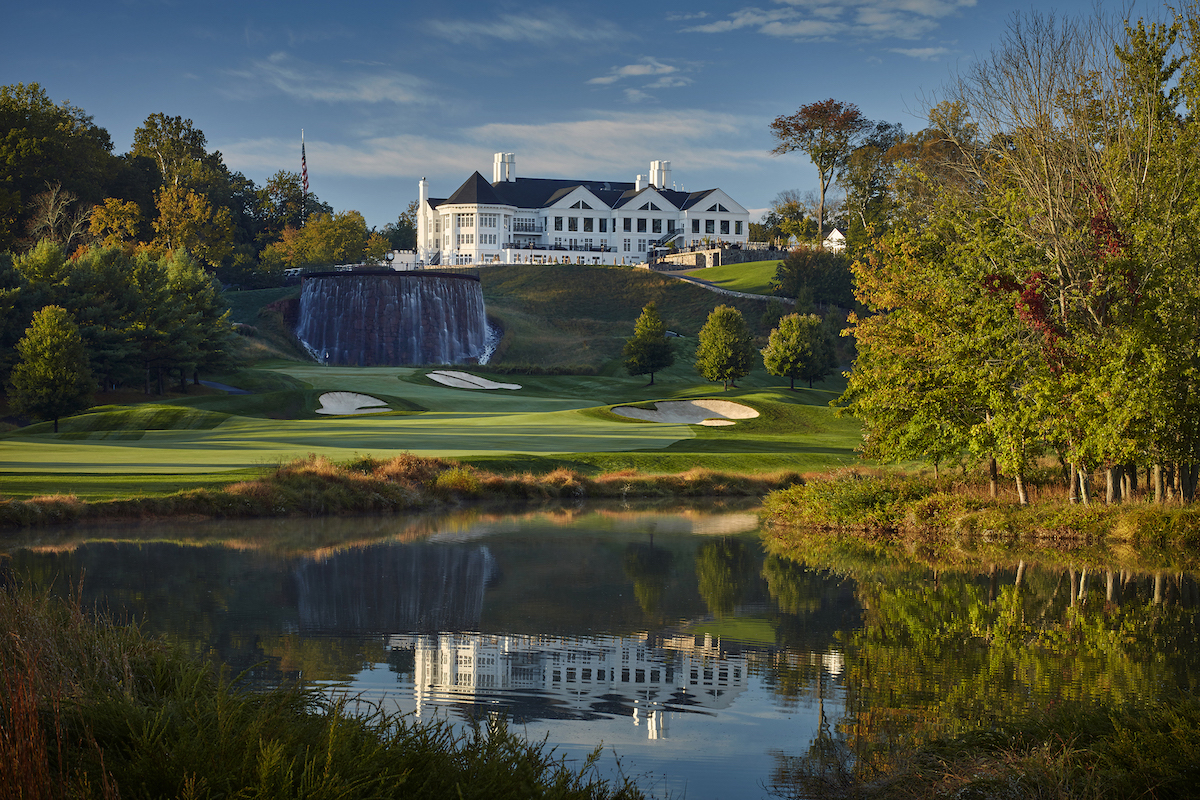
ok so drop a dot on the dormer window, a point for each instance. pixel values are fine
(649, 207)
(719, 207)
(581, 204)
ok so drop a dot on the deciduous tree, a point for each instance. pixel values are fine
(827, 131)
(52, 379)
(725, 352)
(793, 346)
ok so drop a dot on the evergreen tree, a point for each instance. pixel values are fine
(648, 350)
(726, 351)
(52, 379)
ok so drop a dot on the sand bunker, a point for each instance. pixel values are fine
(693, 412)
(463, 380)
(345, 403)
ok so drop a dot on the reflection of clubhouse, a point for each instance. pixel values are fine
(686, 674)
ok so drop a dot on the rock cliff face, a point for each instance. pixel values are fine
(388, 319)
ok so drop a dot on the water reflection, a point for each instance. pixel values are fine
(672, 636)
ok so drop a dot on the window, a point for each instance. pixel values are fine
(487, 220)
(466, 238)
(558, 241)
(737, 227)
(603, 225)
(465, 220)
(558, 223)
(656, 225)
(587, 244)
(626, 245)
(649, 207)
(572, 223)
(437, 225)
(641, 224)
(695, 226)
(641, 245)
(709, 226)
(670, 226)
(587, 224)
(628, 224)
(581, 204)
(719, 207)
(724, 227)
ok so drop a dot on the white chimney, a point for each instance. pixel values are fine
(640, 183)
(504, 167)
(660, 174)
(423, 193)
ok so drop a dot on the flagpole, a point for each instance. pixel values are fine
(304, 177)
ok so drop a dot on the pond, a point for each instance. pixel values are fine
(708, 666)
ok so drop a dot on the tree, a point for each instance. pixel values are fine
(52, 379)
(177, 149)
(725, 352)
(403, 233)
(327, 239)
(187, 220)
(794, 346)
(867, 179)
(115, 223)
(827, 131)
(815, 276)
(42, 144)
(648, 350)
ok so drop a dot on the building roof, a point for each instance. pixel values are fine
(475, 191)
(543, 192)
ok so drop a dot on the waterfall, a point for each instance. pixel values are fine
(392, 318)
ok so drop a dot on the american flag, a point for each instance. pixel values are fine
(303, 165)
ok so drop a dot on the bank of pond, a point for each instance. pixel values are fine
(420, 654)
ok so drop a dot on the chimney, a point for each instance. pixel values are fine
(640, 183)
(504, 167)
(660, 174)
(423, 193)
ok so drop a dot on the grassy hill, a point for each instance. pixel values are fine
(753, 277)
(581, 315)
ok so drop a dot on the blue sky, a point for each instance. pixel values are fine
(390, 92)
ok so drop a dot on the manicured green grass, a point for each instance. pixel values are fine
(570, 314)
(753, 277)
(103, 486)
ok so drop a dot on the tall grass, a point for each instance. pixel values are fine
(91, 709)
(315, 486)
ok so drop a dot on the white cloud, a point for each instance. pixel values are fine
(636, 96)
(647, 66)
(668, 82)
(547, 25)
(831, 19)
(923, 53)
(307, 81)
(610, 146)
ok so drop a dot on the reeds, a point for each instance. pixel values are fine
(89, 709)
(316, 486)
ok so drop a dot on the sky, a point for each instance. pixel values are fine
(390, 92)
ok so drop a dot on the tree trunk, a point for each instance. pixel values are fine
(1083, 585)
(651, 378)
(1072, 484)
(993, 478)
(147, 381)
(1158, 588)
(1159, 489)
(1022, 495)
(182, 381)
(1085, 487)
(56, 424)
(161, 389)
(1112, 484)
(1071, 587)
(195, 377)
(1020, 573)
(1112, 588)
(1188, 490)
(1130, 487)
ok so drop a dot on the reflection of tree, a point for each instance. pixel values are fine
(791, 586)
(648, 567)
(723, 571)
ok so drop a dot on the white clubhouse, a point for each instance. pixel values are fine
(547, 220)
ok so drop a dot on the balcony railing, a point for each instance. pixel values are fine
(527, 227)
(564, 247)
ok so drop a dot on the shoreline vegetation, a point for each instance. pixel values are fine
(889, 507)
(95, 709)
(316, 486)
